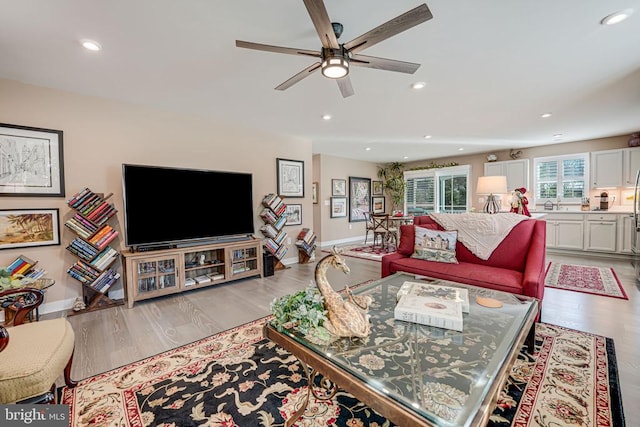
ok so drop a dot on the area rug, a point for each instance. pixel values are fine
(238, 378)
(584, 278)
(366, 251)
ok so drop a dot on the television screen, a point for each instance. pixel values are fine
(165, 205)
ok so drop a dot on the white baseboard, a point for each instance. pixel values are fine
(341, 241)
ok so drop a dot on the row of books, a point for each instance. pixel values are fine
(306, 241)
(307, 235)
(105, 258)
(21, 266)
(278, 251)
(83, 272)
(271, 218)
(275, 203)
(83, 249)
(103, 237)
(35, 273)
(92, 206)
(432, 304)
(106, 279)
(81, 226)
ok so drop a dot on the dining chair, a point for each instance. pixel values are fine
(369, 227)
(384, 230)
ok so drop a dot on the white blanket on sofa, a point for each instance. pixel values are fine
(481, 233)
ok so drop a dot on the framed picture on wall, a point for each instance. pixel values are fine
(314, 193)
(359, 198)
(31, 161)
(290, 177)
(338, 207)
(376, 189)
(25, 228)
(294, 215)
(338, 187)
(377, 204)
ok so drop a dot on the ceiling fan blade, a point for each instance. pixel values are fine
(301, 75)
(277, 49)
(320, 18)
(384, 64)
(390, 28)
(346, 89)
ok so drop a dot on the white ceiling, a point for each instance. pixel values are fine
(491, 68)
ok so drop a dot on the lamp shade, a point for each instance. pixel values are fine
(492, 185)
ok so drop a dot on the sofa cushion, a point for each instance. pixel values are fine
(478, 275)
(435, 245)
(407, 237)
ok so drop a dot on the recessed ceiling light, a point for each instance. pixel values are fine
(326, 117)
(427, 137)
(91, 45)
(557, 135)
(367, 149)
(405, 157)
(460, 149)
(418, 85)
(545, 115)
(616, 17)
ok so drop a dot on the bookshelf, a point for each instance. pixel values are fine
(306, 243)
(273, 215)
(94, 267)
(169, 271)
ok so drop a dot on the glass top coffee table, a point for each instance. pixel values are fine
(418, 375)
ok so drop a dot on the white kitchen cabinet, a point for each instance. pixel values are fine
(601, 232)
(626, 233)
(631, 158)
(516, 171)
(565, 231)
(606, 168)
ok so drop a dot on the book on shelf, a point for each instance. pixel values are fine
(278, 239)
(430, 311)
(281, 252)
(269, 230)
(426, 289)
(189, 281)
(21, 265)
(203, 279)
(280, 222)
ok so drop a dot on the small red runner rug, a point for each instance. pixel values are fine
(366, 251)
(584, 278)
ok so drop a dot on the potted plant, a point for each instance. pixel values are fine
(304, 311)
(392, 176)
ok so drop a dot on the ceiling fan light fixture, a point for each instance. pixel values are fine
(335, 67)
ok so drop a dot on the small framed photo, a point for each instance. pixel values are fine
(338, 187)
(378, 204)
(314, 192)
(338, 207)
(294, 215)
(359, 198)
(31, 162)
(290, 178)
(376, 188)
(27, 228)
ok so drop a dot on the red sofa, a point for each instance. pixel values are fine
(517, 265)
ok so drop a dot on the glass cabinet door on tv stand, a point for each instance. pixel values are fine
(155, 276)
(204, 266)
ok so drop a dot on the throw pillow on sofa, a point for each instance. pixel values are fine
(435, 245)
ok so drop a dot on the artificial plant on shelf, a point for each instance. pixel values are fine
(304, 311)
(392, 176)
(7, 281)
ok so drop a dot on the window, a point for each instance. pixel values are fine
(561, 178)
(437, 190)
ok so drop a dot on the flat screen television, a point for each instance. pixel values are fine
(166, 206)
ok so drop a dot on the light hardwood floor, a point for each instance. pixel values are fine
(117, 336)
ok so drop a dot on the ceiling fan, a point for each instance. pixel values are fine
(336, 58)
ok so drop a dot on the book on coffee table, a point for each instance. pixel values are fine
(431, 311)
(449, 293)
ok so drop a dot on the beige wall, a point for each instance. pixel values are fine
(100, 135)
(338, 230)
(477, 161)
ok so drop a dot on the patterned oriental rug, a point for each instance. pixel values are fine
(366, 251)
(237, 378)
(584, 278)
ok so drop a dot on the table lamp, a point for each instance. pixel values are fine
(490, 185)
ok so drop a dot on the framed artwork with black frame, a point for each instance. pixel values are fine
(314, 193)
(376, 188)
(294, 215)
(338, 207)
(290, 177)
(377, 204)
(31, 161)
(338, 187)
(359, 198)
(26, 228)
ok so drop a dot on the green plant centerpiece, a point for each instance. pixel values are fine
(303, 310)
(392, 176)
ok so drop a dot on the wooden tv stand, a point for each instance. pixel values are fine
(168, 271)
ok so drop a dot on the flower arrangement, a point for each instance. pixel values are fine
(303, 310)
